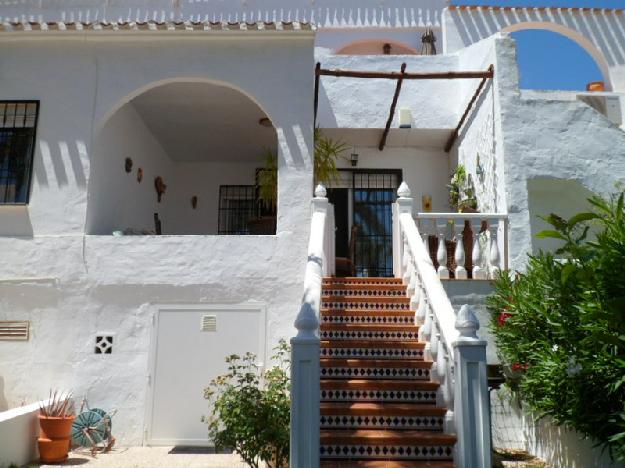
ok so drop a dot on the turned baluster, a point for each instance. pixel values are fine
(441, 257)
(422, 310)
(478, 271)
(494, 257)
(459, 255)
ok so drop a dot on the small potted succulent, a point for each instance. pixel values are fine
(55, 421)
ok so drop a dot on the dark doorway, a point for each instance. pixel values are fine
(339, 197)
(363, 198)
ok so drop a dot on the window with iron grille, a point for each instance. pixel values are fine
(237, 206)
(18, 124)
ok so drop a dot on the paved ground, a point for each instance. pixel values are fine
(149, 457)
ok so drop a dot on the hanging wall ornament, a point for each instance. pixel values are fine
(194, 201)
(128, 165)
(139, 175)
(160, 187)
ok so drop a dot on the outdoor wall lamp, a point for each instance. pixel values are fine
(479, 170)
(405, 118)
(354, 158)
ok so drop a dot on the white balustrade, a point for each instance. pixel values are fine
(458, 356)
(487, 246)
(305, 389)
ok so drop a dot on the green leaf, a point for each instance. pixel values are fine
(581, 217)
(550, 234)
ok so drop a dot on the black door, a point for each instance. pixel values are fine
(339, 197)
(374, 193)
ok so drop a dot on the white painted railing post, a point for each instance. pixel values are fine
(459, 255)
(305, 388)
(476, 256)
(403, 205)
(494, 258)
(471, 394)
(441, 254)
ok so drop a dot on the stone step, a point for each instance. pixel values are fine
(387, 445)
(394, 416)
(356, 316)
(366, 303)
(365, 290)
(363, 349)
(386, 333)
(387, 391)
(399, 369)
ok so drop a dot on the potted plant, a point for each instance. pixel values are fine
(55, 421)
(327, 152)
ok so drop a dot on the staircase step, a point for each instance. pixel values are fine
(386, 333)
(361, 281)
(365, 290)
(388, 445)
(375, 369)
(367, 317)
(366, 303)
(396, 416)
(385, 464)
(388, 391)
(352, 349)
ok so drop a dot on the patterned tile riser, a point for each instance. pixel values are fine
(386, 396)
(388, 452)
(368, 319)
(346, 421)
(374, 373)
(337, 305)
(364, 293)
(369, 335)
(372, 353)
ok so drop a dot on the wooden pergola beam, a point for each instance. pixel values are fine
(405, 76)
(454, 136)
(317, 77)
(400, 81)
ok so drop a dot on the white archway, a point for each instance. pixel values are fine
(573, 35)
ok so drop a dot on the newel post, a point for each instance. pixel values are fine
(305, 388)
(471, 394)
(403, 205)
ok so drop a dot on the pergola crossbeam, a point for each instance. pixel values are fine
(393, 107)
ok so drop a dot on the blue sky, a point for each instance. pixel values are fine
(549, 60)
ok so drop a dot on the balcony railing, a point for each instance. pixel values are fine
(465, 245)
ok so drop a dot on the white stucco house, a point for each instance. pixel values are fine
(132, 137)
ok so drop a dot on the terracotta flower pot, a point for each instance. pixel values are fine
(54, 438)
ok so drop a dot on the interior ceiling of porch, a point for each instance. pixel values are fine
(199, 122)
(397, 137)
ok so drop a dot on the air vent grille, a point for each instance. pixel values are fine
(14, 331)
(209, 323)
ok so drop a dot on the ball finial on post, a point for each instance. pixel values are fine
(467, 323)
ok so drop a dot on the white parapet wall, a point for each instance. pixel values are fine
(19, 429)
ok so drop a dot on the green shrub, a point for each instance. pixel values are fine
(560, 326)
(251, 419)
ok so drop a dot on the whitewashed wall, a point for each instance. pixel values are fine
(73, 287)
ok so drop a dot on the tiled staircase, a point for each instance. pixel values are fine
(378, 405)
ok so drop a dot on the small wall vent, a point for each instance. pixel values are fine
(209, 323)
(14, 331)
(103, 344)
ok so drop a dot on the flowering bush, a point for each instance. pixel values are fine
(251, 419)
(560, 326)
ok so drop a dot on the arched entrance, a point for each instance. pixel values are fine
(185, 154)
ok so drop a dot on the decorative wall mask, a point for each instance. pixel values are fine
(194, 201)
(128, 165)
(160, 187)
(139, 175)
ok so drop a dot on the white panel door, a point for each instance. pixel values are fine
(189, 347)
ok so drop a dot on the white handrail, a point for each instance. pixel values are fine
(305, 386)
(437, 297)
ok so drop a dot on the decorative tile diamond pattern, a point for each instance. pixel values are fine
(378, 402)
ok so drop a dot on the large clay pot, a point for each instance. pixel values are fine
(55, 438)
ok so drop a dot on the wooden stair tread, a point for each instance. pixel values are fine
(373, 436)
(385, 464)
(381, 384)
(338, 343)
(399, 363)
(362, 409)
(355, 311)
(358, 279)
(356, 298)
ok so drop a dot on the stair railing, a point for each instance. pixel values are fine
(305, 388)
(458, 355)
